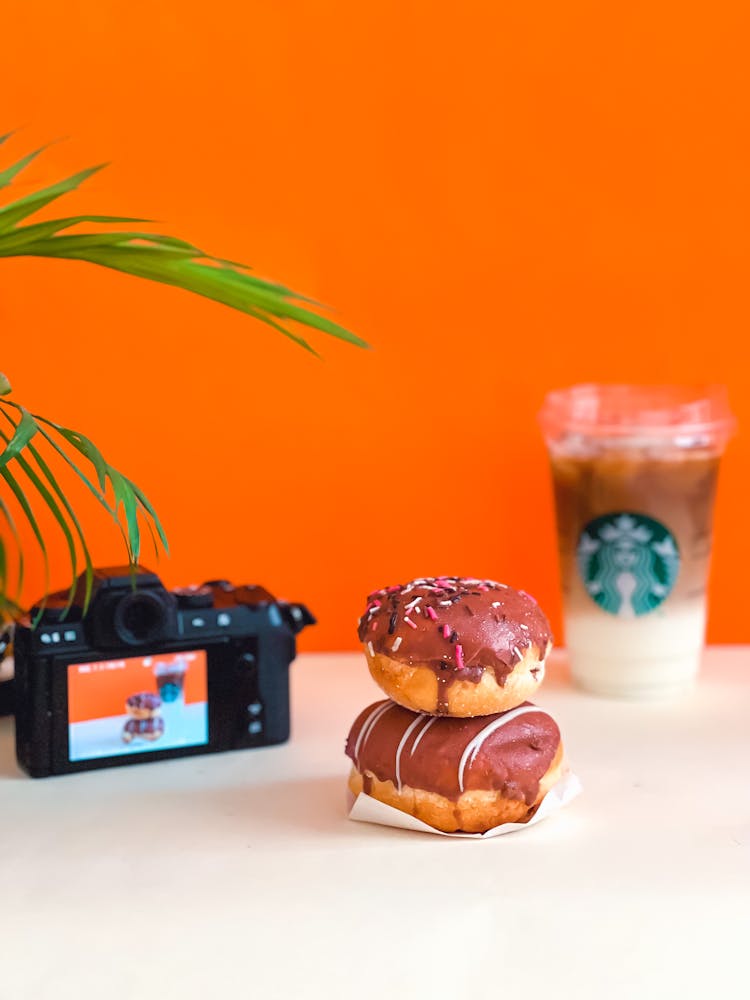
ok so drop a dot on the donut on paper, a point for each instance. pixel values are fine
(143, 729)
(456, 774)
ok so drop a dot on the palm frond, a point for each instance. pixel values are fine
(7, 175)
(17, 211)
(5, 511)
(35, 445)
(32, 480)
(154, 257)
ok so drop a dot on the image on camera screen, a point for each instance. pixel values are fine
(137, 704)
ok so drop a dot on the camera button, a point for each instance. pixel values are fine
(198, 622)
(255, 727)
(274, 615)
(245, 668)
(194, 597)
(70, 635)
(255, 708)
(46, 638)
(223, 619)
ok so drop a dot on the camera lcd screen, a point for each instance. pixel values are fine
(136, 705)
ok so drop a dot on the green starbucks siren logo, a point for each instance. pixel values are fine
(628, 563)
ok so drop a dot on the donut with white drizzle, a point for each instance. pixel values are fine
(150, 729)
(467, 774)
(455, 646)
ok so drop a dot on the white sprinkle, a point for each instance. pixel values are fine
(369, 646)
(496, 604)
(525, 628)
(412, 604)
(396, 643)
(518, 652)
(445, 604)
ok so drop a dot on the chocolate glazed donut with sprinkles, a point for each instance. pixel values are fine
(455, 646)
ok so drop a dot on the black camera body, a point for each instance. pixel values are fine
(146, 673)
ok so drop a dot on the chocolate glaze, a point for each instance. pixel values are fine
(141, 727)
(459, 627)
(144, 699)
(424, 751)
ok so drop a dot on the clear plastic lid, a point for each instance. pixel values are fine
(688, 416)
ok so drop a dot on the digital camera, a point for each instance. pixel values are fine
(145, 673)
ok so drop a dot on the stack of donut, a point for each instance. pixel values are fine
(145, 721)
(456, 743)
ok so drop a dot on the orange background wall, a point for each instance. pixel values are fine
(102, 694)
(501, 198)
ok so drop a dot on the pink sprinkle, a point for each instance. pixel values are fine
(409, 622)
(446, 632)
(431, 613)
(375, 604)
(459, 656)
(483, 588)
(392, 590)
(374, 626)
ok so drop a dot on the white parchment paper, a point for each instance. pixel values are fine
(369, 810)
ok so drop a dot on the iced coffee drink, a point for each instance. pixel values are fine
(170, 679)
(170, 682)
(635, 472)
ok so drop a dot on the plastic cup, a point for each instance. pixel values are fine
(170, 679)
(635, 471)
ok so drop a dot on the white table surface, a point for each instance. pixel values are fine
(239, 874)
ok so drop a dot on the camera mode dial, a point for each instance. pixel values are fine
(194, 597)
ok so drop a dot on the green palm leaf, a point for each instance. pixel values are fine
(23, 433)
(128, 507)
(27, 509)
(22, 236)
(65, 503)
(5, 511)
(7, 175)
(17, 211)
(153, 257)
